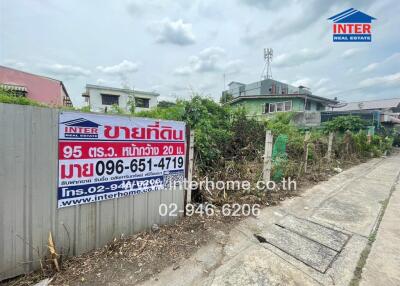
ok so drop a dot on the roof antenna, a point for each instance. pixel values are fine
(267, 71)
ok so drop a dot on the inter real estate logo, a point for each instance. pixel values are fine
(81, 128)
(352, 26)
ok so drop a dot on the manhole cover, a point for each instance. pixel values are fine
(315, 245)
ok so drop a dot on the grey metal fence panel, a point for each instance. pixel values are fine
(28, 197)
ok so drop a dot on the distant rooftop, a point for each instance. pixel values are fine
(380, 104)
(37, 75)
(233, 82)
(93, 86)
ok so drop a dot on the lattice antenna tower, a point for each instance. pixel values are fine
(268, 55)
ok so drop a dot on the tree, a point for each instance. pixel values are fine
(344, 123)
(165, 104)
(131, 104)
(226, 97)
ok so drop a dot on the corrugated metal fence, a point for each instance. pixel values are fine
(28, 197)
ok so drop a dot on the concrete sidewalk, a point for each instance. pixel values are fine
(315, 239)
(383, 263)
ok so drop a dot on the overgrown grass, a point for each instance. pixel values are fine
(10, 97)
(220, 133)
(6, 98)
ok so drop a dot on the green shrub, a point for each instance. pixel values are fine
(248, 135)
(115, 109)
(9, 97)
(344, 123)
(175, 112)
(85, 109)
(223, 134)
(165, 104)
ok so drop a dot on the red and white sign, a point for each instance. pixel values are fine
(104, 157)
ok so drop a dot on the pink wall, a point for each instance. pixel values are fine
(42, 89)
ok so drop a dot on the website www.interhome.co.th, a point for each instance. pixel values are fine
(106, 196)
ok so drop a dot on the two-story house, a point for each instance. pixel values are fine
(102, 98)
(268, 96)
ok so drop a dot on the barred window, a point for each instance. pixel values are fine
(109, 99)
(142, 102)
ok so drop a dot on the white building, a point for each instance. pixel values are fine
(102, 98)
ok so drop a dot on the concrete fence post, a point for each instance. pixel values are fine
(267, 157)
(306, 139)
(190, 167)
(330, 141)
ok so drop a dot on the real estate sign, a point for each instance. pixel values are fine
(105, 157)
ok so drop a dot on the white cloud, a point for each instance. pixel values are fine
(104, 82)
(185, 70)
(14, 63)
(122, 68)
(140, 8)
(68, 71)
(315, 85)
(233, 66)
(370, 67)
(298, 57)
(322, 82)
(123, 71)
(387, 80)
(303, 81)
(207, 60)
(350, 52)
(392, 59)
(173, 32)
(211, 59)
(265, 4)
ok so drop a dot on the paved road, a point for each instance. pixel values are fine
(315, 239)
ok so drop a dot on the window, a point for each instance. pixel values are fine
(16, 93)
(109, 99)
(142, 102)
(288, 105)
(272, 107)
(14, 90)
(308, 105)
(320, 106)
(280, 106)
(266, 108)
(20, 93)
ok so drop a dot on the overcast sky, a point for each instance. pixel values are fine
(179, 46)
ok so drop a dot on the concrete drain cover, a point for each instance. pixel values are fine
(315, 245)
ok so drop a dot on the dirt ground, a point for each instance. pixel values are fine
(136, 257)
